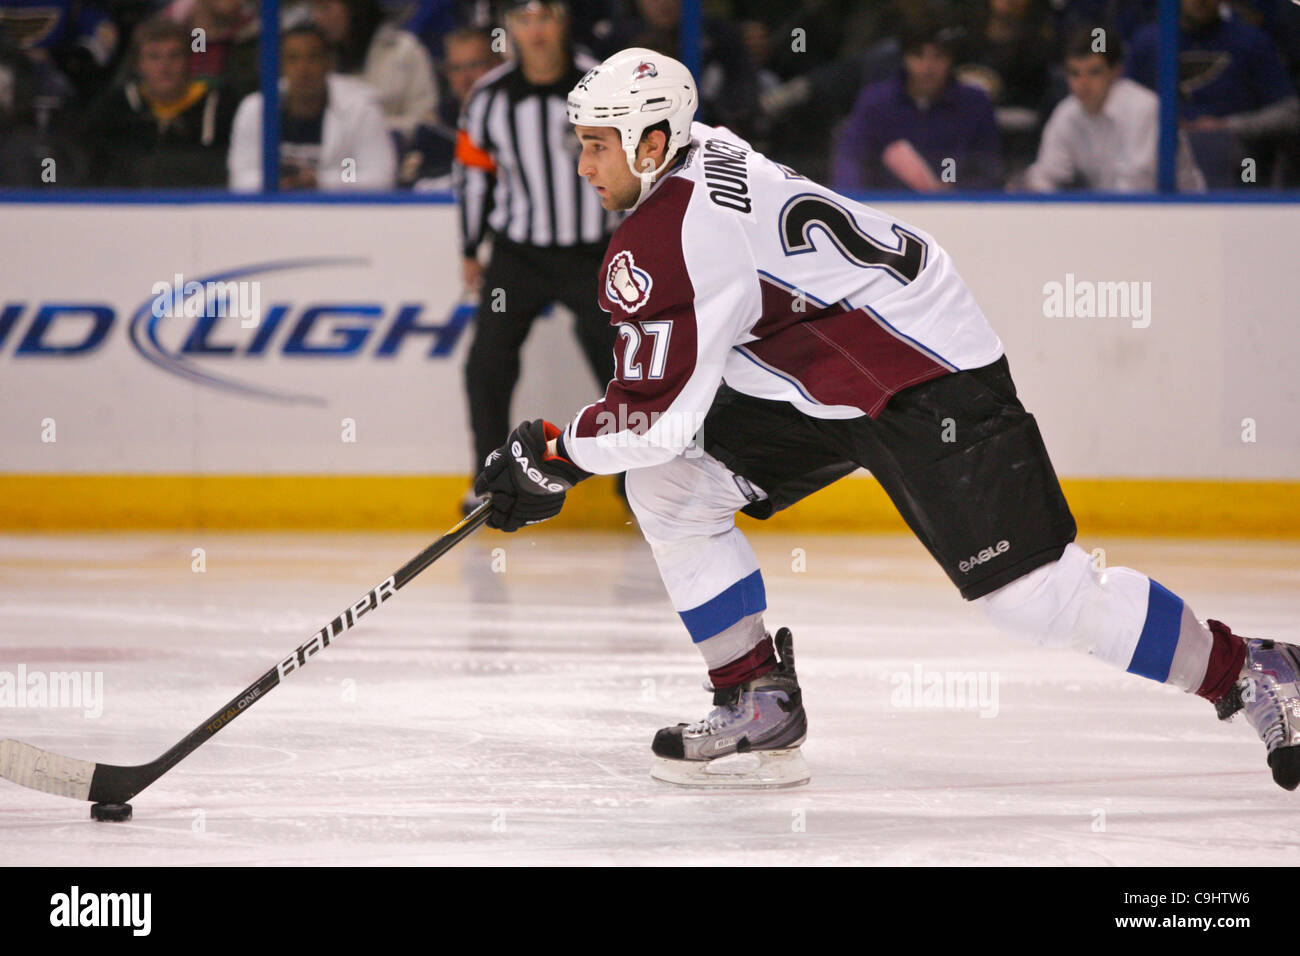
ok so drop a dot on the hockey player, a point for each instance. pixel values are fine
(809, 334)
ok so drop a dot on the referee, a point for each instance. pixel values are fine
(516, 178)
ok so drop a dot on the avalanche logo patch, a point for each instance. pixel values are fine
(644, 70)
(627, 285)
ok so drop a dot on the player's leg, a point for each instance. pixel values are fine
(686, 510)
(1119, 616)
(965, 464)
(1133, 622)
(752, 455)
(508, 303)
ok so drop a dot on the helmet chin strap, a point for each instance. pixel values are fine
(647, 177)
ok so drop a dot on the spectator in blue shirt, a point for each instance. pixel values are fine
(70, 44)
(1237, 102)
(920, 130)
(1280, 19)
(1230, 74)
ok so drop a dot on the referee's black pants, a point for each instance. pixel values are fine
(520, 280)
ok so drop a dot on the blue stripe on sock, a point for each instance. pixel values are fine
(715, 615)
(1154, 654)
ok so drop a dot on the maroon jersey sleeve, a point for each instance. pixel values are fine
(676, 324)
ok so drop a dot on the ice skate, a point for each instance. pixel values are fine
(1268, 690)
(750, 739)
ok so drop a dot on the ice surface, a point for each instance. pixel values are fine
(499, 710)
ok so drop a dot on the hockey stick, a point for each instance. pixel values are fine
(105, 783)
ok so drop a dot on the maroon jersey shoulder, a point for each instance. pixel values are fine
(646, 288)
(644, 271)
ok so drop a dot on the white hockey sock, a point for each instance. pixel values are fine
(1118, 615)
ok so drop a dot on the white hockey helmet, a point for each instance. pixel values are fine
(632, 90)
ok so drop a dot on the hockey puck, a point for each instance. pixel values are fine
(111, 812)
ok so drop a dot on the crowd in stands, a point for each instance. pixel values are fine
(924, 95)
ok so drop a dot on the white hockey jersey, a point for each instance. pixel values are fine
(736, 268)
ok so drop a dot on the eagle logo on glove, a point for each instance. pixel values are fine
(626, 285)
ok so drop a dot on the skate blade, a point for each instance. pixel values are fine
(762, 770)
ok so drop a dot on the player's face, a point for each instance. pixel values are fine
(603, 164)
(1090, 79)
(162, 67)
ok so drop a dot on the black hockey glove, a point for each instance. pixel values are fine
(525, 485)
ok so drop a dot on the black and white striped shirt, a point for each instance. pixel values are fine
(517, 164)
